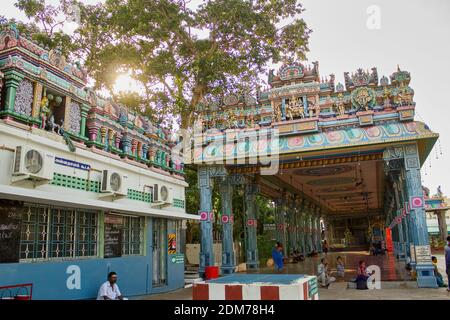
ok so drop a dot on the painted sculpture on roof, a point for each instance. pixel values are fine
(45, 91)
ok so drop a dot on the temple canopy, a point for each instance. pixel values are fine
(341, 162)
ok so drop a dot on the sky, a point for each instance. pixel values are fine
(348, 34)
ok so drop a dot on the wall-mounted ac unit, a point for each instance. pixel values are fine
(32, 164)
(113, 184)
(162, 195)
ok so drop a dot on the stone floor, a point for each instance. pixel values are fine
(396, 284)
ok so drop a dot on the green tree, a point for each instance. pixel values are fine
(181, 55)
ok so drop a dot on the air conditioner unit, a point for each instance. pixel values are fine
(162, 195)
(32, 164)
(113, 184)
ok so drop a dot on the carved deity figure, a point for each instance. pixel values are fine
(277, 113)
(313, 107)
(44, 111)
(386, 97)
(340, 104)
(232, 120)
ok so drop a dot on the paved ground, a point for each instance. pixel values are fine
(396, 284)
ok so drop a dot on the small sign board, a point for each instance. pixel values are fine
(10, 228)
(412, 249)
(177, 258)
(72, 164)
(423, 254)
(172, 243)
(113, 236)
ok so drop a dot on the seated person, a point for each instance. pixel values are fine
(110, 290)
(437, 274)
(362, 276)
(340, 268)
(323, 275)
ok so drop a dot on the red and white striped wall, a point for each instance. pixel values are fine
(305, 289)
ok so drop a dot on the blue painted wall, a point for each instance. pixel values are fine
(134, 272)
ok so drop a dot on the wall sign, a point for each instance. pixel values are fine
(10, 228)
(113, 236)
(412, 249)
(177, 258)
(72, 164)
(423, 254)
(172, 243)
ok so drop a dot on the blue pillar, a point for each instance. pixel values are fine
(401, 231)
(308, 228)
(411, 168)
(226, 194)
(251, 190)
(424, 267)
(303, 230)
(281, 222)
(206, 223)
(291, 228)
(318, 231)
(283, 109)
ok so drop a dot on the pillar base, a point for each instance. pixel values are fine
(227, 269)
(425, 276)
(252, 265)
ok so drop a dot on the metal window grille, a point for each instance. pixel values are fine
(133, 234)
(52, 233)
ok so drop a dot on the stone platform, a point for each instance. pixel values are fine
(258, 287)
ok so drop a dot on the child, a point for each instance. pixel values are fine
(340, 267)
(437, 274)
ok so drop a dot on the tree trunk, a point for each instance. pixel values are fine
(187, 118)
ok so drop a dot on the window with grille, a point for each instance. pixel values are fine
(49, 233)
(133, 234)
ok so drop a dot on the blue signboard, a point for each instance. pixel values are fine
(72, 164)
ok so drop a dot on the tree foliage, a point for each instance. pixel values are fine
(182, 54)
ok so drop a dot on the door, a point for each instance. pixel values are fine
(159, 252)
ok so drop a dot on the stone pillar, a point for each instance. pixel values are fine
(145, 151)
(67, 106)
(283, 109)
(93, 130)
(226, 195)
(298, 231)
(206, 219)
(308, 229)
(281, 221)
(401, 254)
(251, 190)
(411, 166)
(37, 97)
(303, 230)
(12, 81)
(318, 231)
(84, 113)
(118, 138)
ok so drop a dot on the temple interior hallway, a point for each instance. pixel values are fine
(391, 269)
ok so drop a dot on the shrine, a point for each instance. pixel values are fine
(341, 162)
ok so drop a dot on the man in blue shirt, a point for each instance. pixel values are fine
(447, 261)
(277, 256)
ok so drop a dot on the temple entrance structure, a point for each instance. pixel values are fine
(341, 163)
